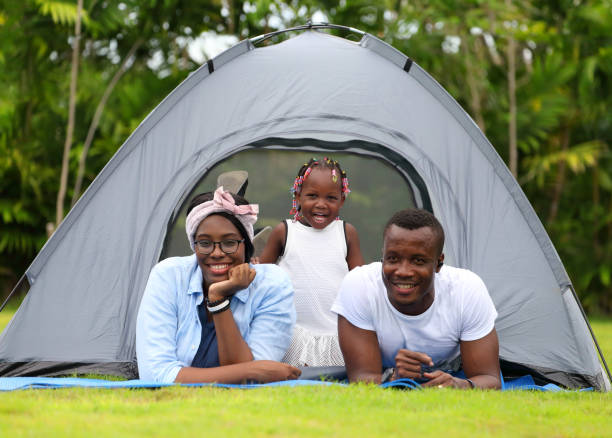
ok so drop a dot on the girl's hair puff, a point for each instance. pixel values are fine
(304, 171)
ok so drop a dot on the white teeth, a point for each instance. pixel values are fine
(406, 286)
(218, 266)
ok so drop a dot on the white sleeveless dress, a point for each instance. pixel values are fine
(316, 262)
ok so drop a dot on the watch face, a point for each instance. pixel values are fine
(387, 375)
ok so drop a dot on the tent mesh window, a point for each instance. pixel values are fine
(271, 174)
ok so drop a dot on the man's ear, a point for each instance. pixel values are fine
(440, 262)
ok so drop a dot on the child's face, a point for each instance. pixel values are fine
(320, 198)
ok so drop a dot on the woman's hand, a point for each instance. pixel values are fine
(265, 371)
(239, 278)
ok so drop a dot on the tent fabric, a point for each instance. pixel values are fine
(87, 281)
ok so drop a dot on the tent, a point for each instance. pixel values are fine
(314, 92)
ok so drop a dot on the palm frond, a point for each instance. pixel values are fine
(577, 158)
(64, 13)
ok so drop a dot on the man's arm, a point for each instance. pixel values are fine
(480, 364)
(481, 361)
(361, 352)
(479, 344)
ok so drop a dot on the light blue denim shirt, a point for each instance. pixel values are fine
(168, 329)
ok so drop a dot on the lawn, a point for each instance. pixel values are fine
(358, 410)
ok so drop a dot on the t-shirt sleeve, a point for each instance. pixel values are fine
(352, 300)
(478, 310)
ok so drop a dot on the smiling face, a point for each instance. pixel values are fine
(216, 265)
(320, 198)
(410, 260)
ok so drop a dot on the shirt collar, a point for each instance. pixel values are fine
(243, 295)
(195, 279)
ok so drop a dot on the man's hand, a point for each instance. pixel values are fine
(440, 379)
(239, 278)
(265, 371)
(409, 364)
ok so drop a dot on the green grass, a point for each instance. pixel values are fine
(358, 410)
(603, 332)
(307, 411)
(5, 317)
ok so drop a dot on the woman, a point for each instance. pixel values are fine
(211, 317)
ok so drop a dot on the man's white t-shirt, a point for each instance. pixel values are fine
(462, 311)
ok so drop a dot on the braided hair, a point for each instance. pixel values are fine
(306, 169)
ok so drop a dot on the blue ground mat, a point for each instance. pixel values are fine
(15, 383)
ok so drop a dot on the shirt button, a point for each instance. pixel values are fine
(193, 347)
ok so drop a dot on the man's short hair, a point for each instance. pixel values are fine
(415, 218)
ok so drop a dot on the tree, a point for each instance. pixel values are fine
(59, 212)
(133, 52)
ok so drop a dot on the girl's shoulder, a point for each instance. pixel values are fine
(349, 228)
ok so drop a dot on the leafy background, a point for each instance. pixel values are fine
(534, 75)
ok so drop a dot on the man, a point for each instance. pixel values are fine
(411, 316)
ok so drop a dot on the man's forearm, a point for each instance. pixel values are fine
(364, 376)
(485, 381)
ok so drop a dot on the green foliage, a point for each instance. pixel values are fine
(64, 13)
(578, 159)
(564, 96)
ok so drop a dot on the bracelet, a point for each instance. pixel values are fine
(224, 305)
(471, 383)
(214, 303)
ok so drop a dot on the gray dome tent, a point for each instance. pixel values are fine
(324, 93)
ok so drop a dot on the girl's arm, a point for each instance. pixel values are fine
(353, 251)
(275, 245)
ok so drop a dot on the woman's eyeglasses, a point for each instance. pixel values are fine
(228, 246)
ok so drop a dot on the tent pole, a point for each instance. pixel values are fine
(308, 26)
(12, 292)
(584, 315)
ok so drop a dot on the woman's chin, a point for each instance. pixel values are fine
(215, 275)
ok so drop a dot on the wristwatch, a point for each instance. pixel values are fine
(387, 375)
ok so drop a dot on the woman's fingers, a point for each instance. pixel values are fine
(271, 371)
(242, 275)
(294, 372)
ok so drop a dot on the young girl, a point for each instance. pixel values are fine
(317, 250)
